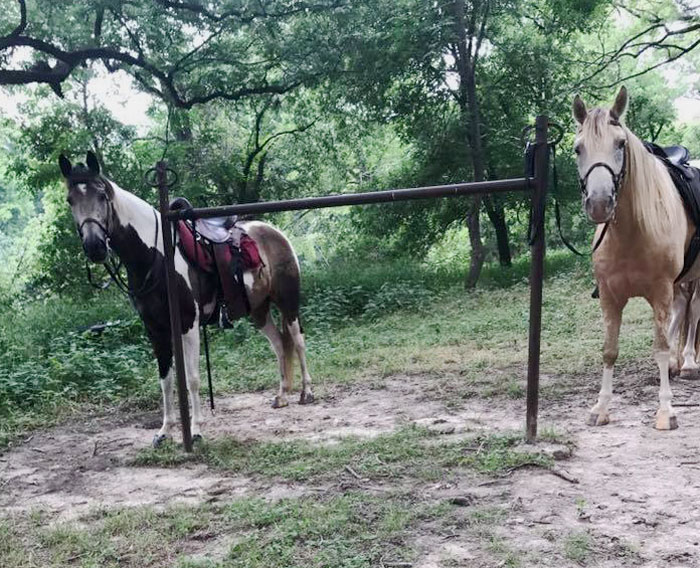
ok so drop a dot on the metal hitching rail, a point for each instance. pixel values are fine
(537, 186)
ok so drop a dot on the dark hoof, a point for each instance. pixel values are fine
(674, 423)
(279, 402)
(159, 440)
(597, 420)
(690, 374)
(306, 398)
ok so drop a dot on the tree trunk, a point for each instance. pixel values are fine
(477, 256)
(497, 215)
(465, 60)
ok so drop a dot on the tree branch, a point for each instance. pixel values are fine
(55, 62)
(22, 20)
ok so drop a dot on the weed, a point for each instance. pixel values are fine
(577, 547)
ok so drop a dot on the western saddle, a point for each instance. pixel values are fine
(220, 246)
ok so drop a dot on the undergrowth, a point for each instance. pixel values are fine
(360, 321)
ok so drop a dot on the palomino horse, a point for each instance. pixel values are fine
(111, 219)
(645, 230)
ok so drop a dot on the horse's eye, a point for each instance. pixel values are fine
(621, 144)
(577, 149)
(101, 196)
(69, 199)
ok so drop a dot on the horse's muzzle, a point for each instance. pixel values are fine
(95, 249)
(599, 209)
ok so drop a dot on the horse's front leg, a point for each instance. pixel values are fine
(661, 303)
(612, 318)
(163, 351)
(190, 344)
(165, 432)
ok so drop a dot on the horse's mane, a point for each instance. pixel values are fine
(655, 201)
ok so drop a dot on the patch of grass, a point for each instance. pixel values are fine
(551, 434)
(498, 546)
(362, 323)
(411, 451)
(577, 547)
(345, 531)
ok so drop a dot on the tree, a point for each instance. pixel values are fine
(432, 68)
(660, 32)
(179, 51)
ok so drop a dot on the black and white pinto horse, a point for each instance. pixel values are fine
(112, 220)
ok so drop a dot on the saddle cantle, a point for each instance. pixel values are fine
(677, 155)
(220, 246)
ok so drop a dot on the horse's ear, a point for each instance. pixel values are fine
(92, 162)
(579, 110)
(618, 109)
(65, 165)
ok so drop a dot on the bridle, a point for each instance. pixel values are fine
(113, 267)
(617, 179)
(105, 230)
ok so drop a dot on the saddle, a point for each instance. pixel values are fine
(219, 246)
(686, 178)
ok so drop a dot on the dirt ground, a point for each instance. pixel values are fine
(636, 499)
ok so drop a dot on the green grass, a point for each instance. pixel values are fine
(370, 322)
(410, 452)
(352, 530)
(361, 326)
(577, 547)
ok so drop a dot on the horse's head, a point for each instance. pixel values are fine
(600, 155)
(90, 198)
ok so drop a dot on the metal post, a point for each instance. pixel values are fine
(539, 196)
(174, 304)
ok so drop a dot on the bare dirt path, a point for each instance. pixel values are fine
(635, 503)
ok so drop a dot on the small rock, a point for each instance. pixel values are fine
(444, 429)
(562, 453)
(463, 500)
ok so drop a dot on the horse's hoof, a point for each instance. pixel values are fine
(159, 440)
(690, 374)
(306, 398)
(279, 402)
(598, 419)
(197, 439)
(666, 423)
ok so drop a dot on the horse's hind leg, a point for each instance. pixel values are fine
(690, 368)
(297, 335)
(263, 320)
(612, 317)
(679, 309)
